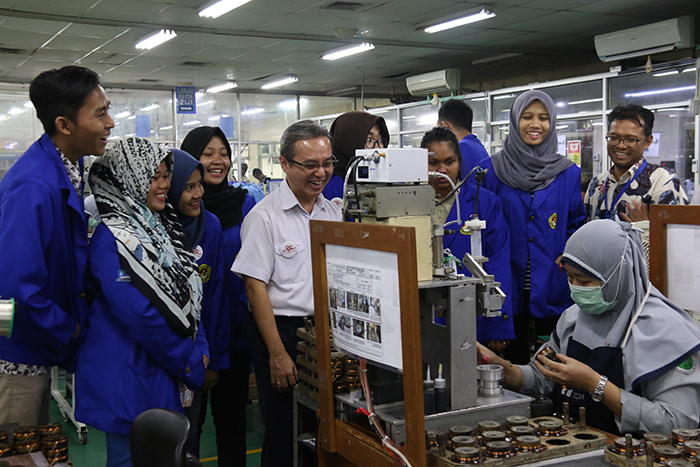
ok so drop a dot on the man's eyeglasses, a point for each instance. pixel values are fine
(313, 166)
(629, 142)
(371, 143)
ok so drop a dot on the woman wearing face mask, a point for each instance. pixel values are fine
(203, 238)
(143, 348)
(626, 352)
(540, 194)
(351, 131)
(229, 396)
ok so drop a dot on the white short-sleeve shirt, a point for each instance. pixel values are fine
(276, 249)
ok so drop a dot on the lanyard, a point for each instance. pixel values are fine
(619, 195)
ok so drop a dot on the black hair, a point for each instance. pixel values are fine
(441, 134)
(61, 93)
(300, 131)
(244, 168)
(644, 117)
(457, 113)
(256, 172)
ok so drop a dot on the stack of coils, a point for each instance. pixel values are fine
(55, 448)
(467, 455)
(620, 446)
(463, 442)
(499, 449)
(460, 430)
(681, 435)
(691, 449)
(490, 377)
(516, 420)
(522, 431)
(489, 425)
(529, 443)
(351, 373)
(431, 440)
(665, 453)
(26, 439)
(657, 439)
(551, 428)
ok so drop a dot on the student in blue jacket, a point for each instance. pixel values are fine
(144, 347)
(230, 205)
(444, 157)
(203, 238)
(43, 236)
(540, 192)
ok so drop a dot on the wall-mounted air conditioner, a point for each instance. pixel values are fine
(649, 39)
(436, 81)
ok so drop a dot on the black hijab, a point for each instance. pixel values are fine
(349, 132)
(222, 200)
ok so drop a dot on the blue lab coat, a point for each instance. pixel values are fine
(495, 246)
(539, 226)
(472, 152)
(130, 359)
(43, 236)
(334, 188)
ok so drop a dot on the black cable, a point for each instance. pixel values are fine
(480, 175)
(461, 182)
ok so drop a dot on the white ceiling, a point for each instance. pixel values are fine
(268, 39)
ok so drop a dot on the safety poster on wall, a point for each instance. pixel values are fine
(363, 295)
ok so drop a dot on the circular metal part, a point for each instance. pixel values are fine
(28, 445)
(691, 448)
(460, 430)
(58, 441)
(657, 439)
(466, 455)
(463, 442)
(488, 436)
(551, 427)
(431, 439)
(24, 432)
(664, 453)
(50, 429)
(499, 449)
(516, 420)
(6, 449)
(522, 430)
(490, 377)
(620, 445)
(681, 435)
(528, 443)
(489, 425)
(678, 463)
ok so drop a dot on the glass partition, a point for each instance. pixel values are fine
(146, 114)
(673, 145)
(420, 118)
(576, 98)
(648, 89)
(501, 105)
(315, 106)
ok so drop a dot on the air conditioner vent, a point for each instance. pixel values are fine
(198, 64)
(344, 6)
(6, 50)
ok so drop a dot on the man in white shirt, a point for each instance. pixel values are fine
(632, 183)
(275, 262)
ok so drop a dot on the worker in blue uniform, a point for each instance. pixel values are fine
(456, 115)
(144, 347)
(444, 157)
(43, 235)
(540, 192)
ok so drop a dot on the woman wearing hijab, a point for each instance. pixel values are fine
(626, 352)
(351, 131)
(229, 398)
(203, 238)
(143, 348)
(540, 194)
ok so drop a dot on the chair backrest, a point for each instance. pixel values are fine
(158, 437)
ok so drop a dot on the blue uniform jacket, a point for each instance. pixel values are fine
(130, 359)
(472, 152)
(540, 225)
(234, 284)
(43, 236)
(334, 188)
(495, 247)
(216, 312)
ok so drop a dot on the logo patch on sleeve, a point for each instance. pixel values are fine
(687, 366)
(205, 273)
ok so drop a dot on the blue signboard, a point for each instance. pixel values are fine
(226, 125)
(186, 99)
(143, 126)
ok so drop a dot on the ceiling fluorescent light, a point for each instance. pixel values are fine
(126, 113)
(659, 91)
(497, 58)
(254, 110)
(154, 40)
(221, 7)
(282, 82)
(190, 123)
(482, 13)
(347, 51)
(149, 107)
(666, 73)
(221, 87)
(586, 101)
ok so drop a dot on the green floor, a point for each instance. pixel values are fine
(94, 453)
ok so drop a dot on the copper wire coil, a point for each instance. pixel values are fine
(516, 420)
(6, 449)
(466, 455)
(620, 446)
(463, 442)
(691, 448)
(50, 429)
(528, 443)
(460, 430)
(499, 449)
(551, 427)
(29, 445)
(664, 453)
(494, 435)
(522, 430)
(657, 439)
(681, 435)
(431, 439)
(24, 432)
(489, 425)
(3, 436)
(55, 441)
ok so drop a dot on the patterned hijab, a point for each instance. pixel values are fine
(149, 244)
(525, 167)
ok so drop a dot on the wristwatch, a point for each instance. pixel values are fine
(597, 393)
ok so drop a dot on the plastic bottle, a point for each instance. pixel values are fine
(440, 392)
(428, 394)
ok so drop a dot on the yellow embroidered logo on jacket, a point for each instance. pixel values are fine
(205, 273)
(553, 221)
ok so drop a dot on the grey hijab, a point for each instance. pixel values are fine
(525, 167)
(661, 336)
